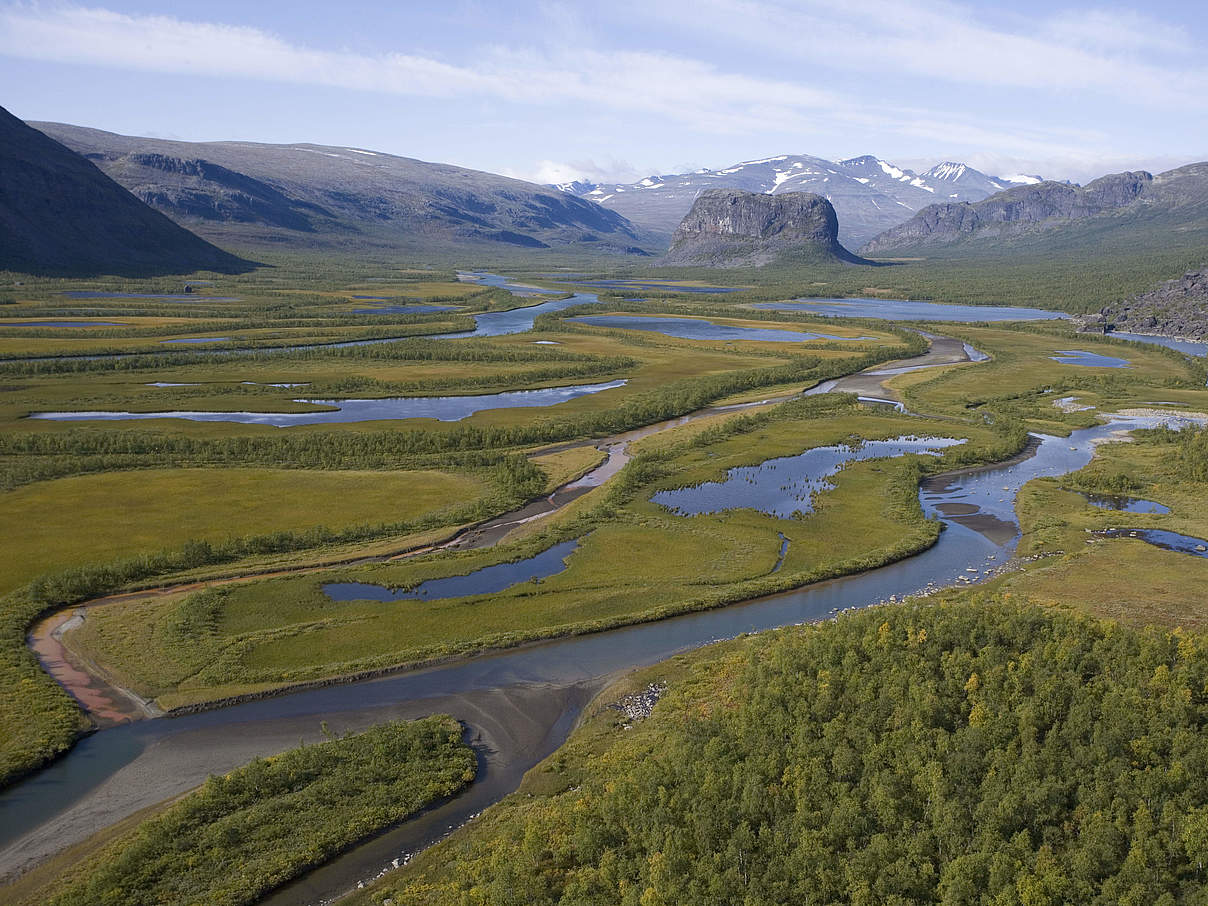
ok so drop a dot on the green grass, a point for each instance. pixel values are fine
(97, 518)
(1123, 579)
(635, 562)
(243, 834)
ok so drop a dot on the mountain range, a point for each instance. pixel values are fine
(870, 195)
(322, 197)
(61, 216)
(1171, 207)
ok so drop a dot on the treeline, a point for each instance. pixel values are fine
(245, 833)
(982, 752)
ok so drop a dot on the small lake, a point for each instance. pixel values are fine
(62, 324)
(1088, 359)
(485, 581)
(442, 408)
(1124, 503)
(1188, 346)
(1170, 541)
(698, 329)
(786, 485)
(904, 310)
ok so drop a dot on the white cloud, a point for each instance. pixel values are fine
(554, 171)
(653, 83)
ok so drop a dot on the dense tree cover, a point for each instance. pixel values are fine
(984, 752)
(245, 833)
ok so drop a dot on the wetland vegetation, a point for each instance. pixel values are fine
(947, 783)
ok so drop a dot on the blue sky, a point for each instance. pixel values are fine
(622, 89)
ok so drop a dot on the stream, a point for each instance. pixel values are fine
(519, 704)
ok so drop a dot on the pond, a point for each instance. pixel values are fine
(1170, 541)
(197, 340)
(1088, 359)
(1191, 347)
(905, 310)
(488, 580)
(1123, 503)
(442, 408)
(786, 485)
(698, 329)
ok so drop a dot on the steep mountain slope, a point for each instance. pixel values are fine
(732, 228)
(61, 216)
(869, 194)
(345, 198)
(1174, 203)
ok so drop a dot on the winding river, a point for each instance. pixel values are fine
(518, 704)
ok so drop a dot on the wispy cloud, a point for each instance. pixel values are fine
(827, 77)
(664, 84)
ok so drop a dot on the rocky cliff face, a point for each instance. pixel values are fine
(732, 228)
(60, 215)
(1177, 308)
(1015, 212)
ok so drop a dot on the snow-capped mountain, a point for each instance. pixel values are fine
(870, 195)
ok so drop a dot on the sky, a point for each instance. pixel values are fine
(618, 90)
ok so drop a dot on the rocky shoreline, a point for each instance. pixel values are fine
(1177, 309)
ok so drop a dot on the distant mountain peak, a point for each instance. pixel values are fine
(869, 193)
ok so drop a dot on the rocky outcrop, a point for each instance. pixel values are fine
(1177, 308)
(61, 216)
(1017, 211)
(732, 228)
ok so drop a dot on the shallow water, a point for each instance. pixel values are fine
(1170, 541)
(697, 329)
(904, 310)
(1124, 503)
(488, 580)
(1188, 346)
(189, 748)
(197, 340)
(786, 485)
(442, 408)
(1088, 359)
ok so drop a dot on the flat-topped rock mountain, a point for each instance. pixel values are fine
(61, 216)
(1044, 209)
(318, 196)
(869, 194)
(1177, 308)
(732, 228)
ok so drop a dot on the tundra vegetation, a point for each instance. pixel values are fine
(918, 753)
